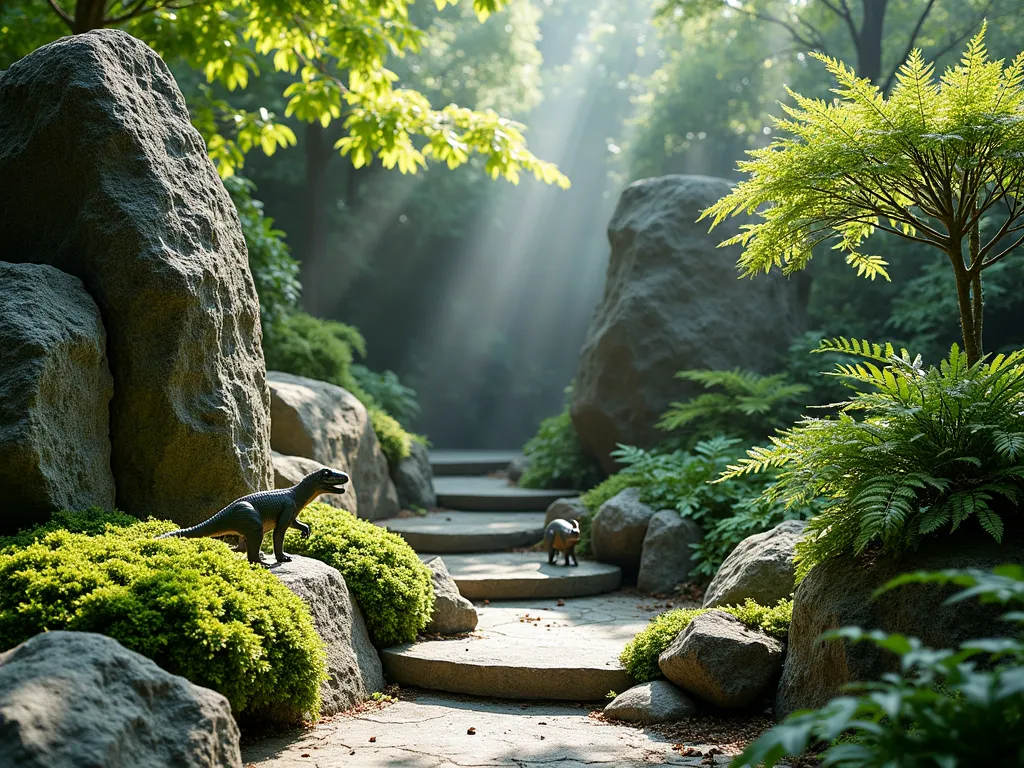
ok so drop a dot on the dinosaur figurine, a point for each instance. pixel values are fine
(562, 536)
(252, 516)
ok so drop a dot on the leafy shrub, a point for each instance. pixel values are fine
(936, 448)
(308, 346)
(640, 656)
(394, 589)
(192, 605)
(91, 521)
(387, 391)
(557, 459)
(744, 405)
(946, 707)
(394, 441)
(609, 487)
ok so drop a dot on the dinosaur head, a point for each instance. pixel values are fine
(331, 480)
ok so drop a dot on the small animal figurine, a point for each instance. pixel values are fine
(253, 516)
(562, 536)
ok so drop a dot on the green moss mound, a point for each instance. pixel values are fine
(393, 588)
(640, 656)
(613, 486)
(394, 441)
(192, 605)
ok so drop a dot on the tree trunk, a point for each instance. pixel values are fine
(314, 193)
(869, 40)
(89, 15)
(968, 305)
(977, 296)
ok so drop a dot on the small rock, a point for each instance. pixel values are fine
(760, 567)
(566, 509)
(667, 556)
(721, 661)
(353, 667)
(74, 699)
(452, 612)
(618, 530)
(516, 468)
(414, 479)
(655, 702)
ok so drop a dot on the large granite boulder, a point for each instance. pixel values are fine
(838, 593)
(719, 660)
(760, 567)
(414, 479)
(618, 530)
(452, 612)
(289, 470)
(353, 666)
(649, 703)
(569, 508)
(667, 555)
(105, 178)
(667, 290)
(55, 391)
(326, 423)
(77, 699)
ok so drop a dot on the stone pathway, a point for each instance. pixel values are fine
(450, 532)
(433, 731)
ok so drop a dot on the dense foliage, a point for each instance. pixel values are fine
(946, 707)
(192, 605)
(393, 588)
(387, 390)
(640, 656)
(935, 448)
(925, 163)
(394, 441)
(556, 458)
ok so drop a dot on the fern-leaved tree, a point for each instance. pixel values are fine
(925, 163)
(935, 447)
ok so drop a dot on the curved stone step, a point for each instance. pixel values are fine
(529, 650)
(493, 494)
(522, 575)
(447, 463)
(447, 532)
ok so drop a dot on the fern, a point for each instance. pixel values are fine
(916, 451)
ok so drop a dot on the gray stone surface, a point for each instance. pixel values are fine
(656, 702)
(667, 557)
(353, 666)
(414, 479)
(566, 509)
(761, 568)
(447, 532)
(452, 612)
(838, 593)
(433, 732)
(471, 462)
(55, 391)
(667, 289)
(81, 700)
(289, 470)
(326, 423)
(618, 530)
(530, 649)
(719, 660)
(105, 178)
(493, 494)
(518, 575)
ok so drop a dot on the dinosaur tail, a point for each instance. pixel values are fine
(206, 528)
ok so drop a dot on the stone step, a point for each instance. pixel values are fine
(493, 494)
(533, 649)
(446, 532)
(526, 575)
(447, 463)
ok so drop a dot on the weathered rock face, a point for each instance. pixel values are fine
(353, 666)
(566, 509)
(326, 423)
(414, 479)
(649, 703)
(667, 556)
(106, 179)
(452, 612)
(838, 593)
(289, 470)
(718, 659)
(55, 391)
(618, 530)
(761, 568)
(667, 289)
(75, 699)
